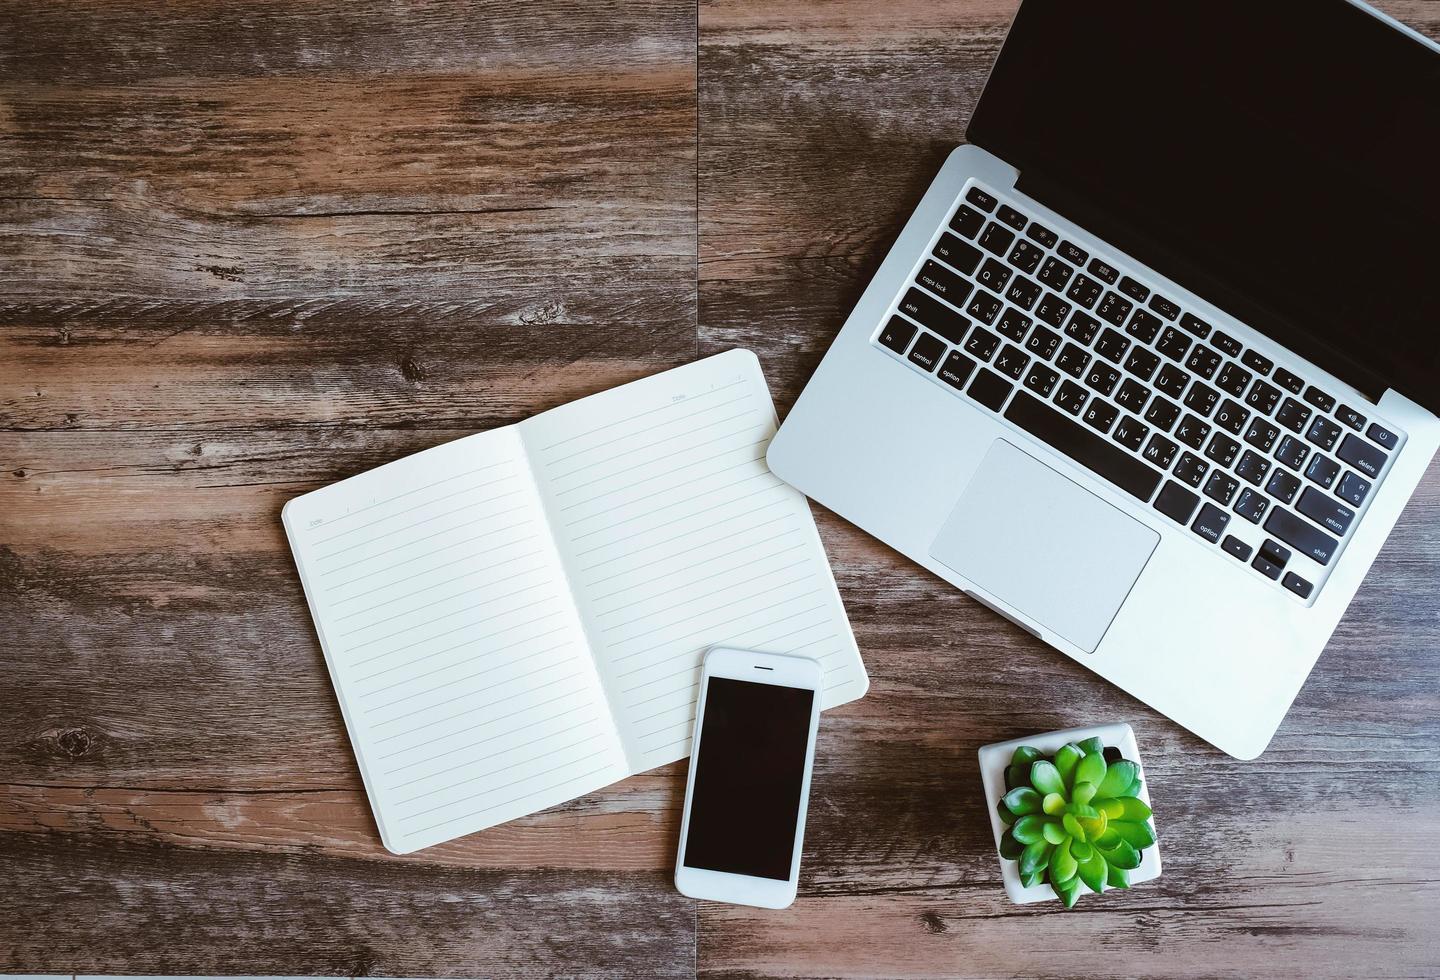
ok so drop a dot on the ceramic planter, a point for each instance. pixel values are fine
(995, 758)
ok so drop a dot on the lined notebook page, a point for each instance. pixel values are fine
(452, 640)
(676, 538)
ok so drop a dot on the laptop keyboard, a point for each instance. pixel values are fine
(1069, 347)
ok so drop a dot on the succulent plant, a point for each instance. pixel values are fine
(1074, 819)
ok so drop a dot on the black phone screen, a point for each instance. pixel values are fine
(749, 772)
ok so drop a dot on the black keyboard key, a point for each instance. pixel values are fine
(927, 351)
(1053, 310)
(1012, 217)
(1221, 487)
(1162, 414)
(1192, 431)
(1293, 415)
(1071, 397)
(1042, 234)
(1176, 503)
(1166, 308)
(1325, 510)
(1363, 456)
(1319, 399)
(1261, 435)
(1252, 467)
(1101, 270)
(994, 275)
(1195, 325)
(1082, 327)
(1353, 487)
(1131, 433)
(1382, 436)
(1102, 377)
(1013, 324)
(930, 312)
(1084, 290)
(1114, 308)
(956, 369)
(1202, 399)
(1275, 552)
(1144, 326)
(1266, 568)
(1073, 360)
(1072, 253)
(1233, 379)
(1203, 361)
(1172, 380)
(1290, 382)
(1232, 416)
(1301, 535)
(897, 334)
(985, 202)
(1112, 345)
(944, 283)
(1222, 449)
(996, 239)
(1082, 445)
(1348, 416)
(967, 221)
(1226, 343)
(1322, 470)
(989, 389)
(1323, 433)
(1026, 256)
(1191, 469)
(1142, 363)
(1133, 289)
(962, 255)
(1257, 361)
(1282, 486)
(1292, 453)
(1132, 395)
(1235, 547)
(1041, 380)
(984, 306)
(1263, 397)
(1042, 343)
(1100, 415)
(981, 344)
(1297, 585)
(1251, 506)
(1159, 451)
(1210, 523)
(1023, 292)
(1055, 273)
(1173, 344)
(1011, 361)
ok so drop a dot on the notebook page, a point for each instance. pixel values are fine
(461, 668)
(676, 538)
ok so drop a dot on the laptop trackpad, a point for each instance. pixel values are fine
(1044, 545)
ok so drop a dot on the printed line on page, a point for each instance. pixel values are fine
(398, 496)
(689, 399)
(445, 667)
(407, 510)
(525, 796)
(649, 445)
(630, 466)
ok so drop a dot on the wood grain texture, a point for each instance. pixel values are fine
(247, 250)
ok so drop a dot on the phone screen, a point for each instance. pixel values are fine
(748, 776)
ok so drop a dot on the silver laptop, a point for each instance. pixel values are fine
(1154, 366)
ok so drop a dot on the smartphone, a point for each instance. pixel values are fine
(749, 784)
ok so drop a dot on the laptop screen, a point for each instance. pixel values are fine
(1281, 160)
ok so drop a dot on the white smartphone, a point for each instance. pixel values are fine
(749, 784)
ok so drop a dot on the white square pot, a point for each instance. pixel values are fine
(995, 758)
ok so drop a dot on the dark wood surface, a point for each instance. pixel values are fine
(247, 249)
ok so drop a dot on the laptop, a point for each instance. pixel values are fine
(1154, 367)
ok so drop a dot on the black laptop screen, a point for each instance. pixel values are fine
(1280, 159)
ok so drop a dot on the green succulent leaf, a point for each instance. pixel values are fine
(1118, 778)
(1114, 809)
(1093, 746)
(1133, 790)
(1093, 872)
(1033, 879)
(1016, 776)
(1022, 800)
(1134, 809)
(1062, 865)
(1080, 850)
(1006, 817)
(1117, 877)
(1109, 839)
(1029, 829)
(1053, 804)
(1072, 826)
(1069, 892)
(1091, 769)
(1035, 857)
(1083, 810)
(1010, 848)
(1066, 760)
(1094, 828)
(1025, 755)
(1054, 833)
(1136, 833)
(1122, 856)
(1046, 778)
(1083, 792)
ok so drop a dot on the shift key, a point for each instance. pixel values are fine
(1301, 535)
(1325, 510)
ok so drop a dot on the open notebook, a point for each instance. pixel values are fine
(518, 617)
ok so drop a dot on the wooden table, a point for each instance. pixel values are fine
(250, 248)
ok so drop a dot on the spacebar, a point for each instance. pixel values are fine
(1082, 445)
